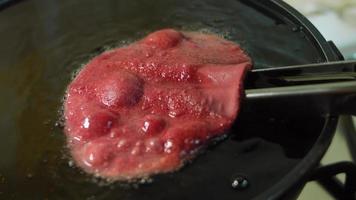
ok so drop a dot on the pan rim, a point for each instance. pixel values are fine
(294, 181)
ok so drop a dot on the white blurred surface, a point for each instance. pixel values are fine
(335, 19)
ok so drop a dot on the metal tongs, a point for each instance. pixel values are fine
(337, 77)
(329, 81)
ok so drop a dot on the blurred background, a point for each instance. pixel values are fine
(336, 20)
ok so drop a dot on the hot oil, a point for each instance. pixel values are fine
(44, 42)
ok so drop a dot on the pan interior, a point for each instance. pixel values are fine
(45, 41)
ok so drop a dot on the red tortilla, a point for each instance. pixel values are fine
(148, 107)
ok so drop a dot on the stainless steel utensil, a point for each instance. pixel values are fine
(310, 79)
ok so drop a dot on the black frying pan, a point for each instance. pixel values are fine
(44, 41)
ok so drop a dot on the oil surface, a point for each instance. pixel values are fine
(43, 42)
